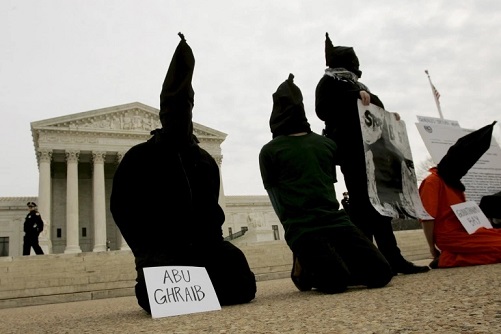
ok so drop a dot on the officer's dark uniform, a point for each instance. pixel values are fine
(33, 225)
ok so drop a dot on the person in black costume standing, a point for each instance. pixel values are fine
(336, 98)
(165, 197)
(33, 226)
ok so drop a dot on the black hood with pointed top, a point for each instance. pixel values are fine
(341, 56)
(288, 115)
(177, 96)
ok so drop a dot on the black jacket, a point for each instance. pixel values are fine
(33, 223)
(336, 105)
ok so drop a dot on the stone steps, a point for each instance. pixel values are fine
(55, 278)
(58, 278)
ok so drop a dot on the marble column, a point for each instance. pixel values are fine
(72, 222)
(222, 197)
(44, 198)
(99, 202)
(123, 243)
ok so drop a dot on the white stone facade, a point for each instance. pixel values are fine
(77, 156)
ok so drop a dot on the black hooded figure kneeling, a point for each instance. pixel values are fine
(165, 197)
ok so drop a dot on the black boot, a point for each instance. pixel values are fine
(407, 268)
(434, 264)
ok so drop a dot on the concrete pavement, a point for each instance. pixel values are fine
(457, 300)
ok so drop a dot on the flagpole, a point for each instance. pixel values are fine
(435, 95)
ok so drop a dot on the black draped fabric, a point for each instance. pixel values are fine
(165, 203)
(491, 205)
(164, 199)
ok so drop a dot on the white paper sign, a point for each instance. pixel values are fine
(175, 290)
(471, 216)
(484, 178)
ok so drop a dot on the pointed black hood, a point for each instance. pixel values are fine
(177, 83)
(463, 155)
(341, 56)
(288, 115)
(177, 97)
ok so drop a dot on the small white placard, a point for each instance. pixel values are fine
(175, 290)
(471, 216)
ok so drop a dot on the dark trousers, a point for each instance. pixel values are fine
(340, 257)
(374, 225)
(228, 269)
(29, 242)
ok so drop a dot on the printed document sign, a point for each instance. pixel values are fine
(437, 121)
(175, 290)
(484, 178)
(471, 216)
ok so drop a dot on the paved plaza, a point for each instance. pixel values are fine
(457, 300)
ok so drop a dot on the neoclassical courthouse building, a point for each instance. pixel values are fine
(77, 156)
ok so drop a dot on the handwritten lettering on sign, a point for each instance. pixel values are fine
(471, 216)
(173, 293)
(175, 290)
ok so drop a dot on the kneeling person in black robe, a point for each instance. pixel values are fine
(165, 197)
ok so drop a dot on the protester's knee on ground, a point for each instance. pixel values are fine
(234, 285)
(232, 278)
(328, 272)
(243, 295)
(380, 281)
(380, 278)
(142, 297)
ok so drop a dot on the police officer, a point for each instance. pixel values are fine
(345, 202)
(33, 225)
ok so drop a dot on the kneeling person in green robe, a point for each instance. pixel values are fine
(298, 169)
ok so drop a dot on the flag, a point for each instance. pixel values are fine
(435, 92)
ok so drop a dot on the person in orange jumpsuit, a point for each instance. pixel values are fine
(449, 242)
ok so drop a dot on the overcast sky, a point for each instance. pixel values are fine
(63, 57)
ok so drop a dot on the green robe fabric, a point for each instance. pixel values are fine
(299, 174)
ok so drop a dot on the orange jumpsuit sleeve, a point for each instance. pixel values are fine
(430, 193)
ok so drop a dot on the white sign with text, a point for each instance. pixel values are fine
(175, 290)
(471, 216)
(484, 178)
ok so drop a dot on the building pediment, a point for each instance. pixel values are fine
(128, 119)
